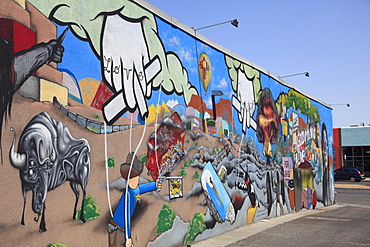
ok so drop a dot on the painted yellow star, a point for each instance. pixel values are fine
(137, 198)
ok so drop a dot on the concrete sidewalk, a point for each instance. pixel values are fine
(244, 232)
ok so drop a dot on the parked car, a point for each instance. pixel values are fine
(351, 174)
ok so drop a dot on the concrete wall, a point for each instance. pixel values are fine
(209, 141)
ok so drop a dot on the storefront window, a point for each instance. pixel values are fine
(357, 157)
(367, 165)
(366, 151)
(347, 151)
(357, 151)
(348, 163)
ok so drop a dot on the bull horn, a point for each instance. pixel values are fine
(17, 160)
(52, 155)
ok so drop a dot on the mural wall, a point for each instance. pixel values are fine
(164, 139)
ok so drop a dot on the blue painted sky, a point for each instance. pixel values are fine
(80, 60)
(183, 45)
(329, 39)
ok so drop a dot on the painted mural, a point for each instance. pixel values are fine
(170, 140)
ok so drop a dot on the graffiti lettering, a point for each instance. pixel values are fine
(108, 61)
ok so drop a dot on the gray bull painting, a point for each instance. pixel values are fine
(48, 156)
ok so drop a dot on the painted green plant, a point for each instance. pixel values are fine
(183, 172)
(143, 159)
(57, 245)
(91, 209)
(186, 163)
(111, 162)
(196, 175)
(165, 219)
(196, 226)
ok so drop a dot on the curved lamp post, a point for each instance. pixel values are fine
(346, 104)
(234, 22)
(303, 73)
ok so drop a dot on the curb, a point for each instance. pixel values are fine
(352, 186)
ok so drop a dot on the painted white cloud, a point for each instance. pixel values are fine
(172, 103)
(193, 70)
(222, 83)
(206, 47)
(209, 103)
(185, 55)
(175, 41)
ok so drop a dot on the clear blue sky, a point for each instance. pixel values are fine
(329, 39)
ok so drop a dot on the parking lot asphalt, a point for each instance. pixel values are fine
(242, 233)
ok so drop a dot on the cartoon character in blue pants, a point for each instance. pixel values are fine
(121, 220)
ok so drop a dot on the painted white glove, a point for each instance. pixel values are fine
(127, 69)
(244, 103)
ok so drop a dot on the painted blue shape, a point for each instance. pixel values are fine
(216, 192)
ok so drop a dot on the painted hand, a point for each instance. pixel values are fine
(55, 51)
(244, 102)
(129, 242)
(159, 184)
(127, 68)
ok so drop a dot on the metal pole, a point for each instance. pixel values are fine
(303, 73)
(212, 25)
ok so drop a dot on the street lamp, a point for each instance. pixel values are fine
(303, 73)
(234, 22)
(346, 104)
(213, 95)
